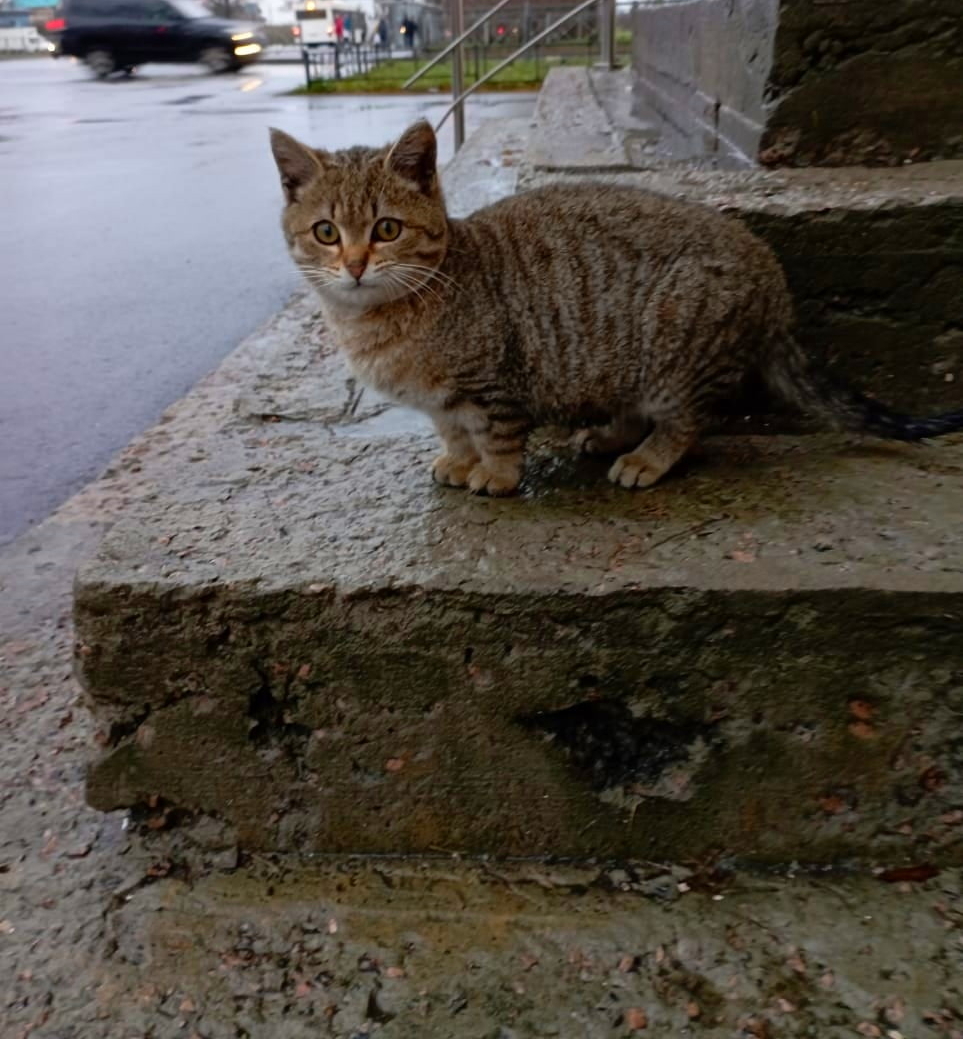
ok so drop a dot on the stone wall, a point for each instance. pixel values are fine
(790, 82)
(701, 68)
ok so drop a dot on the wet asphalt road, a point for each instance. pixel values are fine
(139, 243)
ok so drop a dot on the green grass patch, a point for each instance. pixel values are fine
(389, 76)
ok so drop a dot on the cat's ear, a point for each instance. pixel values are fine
(297, 163)
(414, 156)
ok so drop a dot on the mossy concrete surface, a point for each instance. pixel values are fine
(300, 635)
(873, 256)
(437, 949)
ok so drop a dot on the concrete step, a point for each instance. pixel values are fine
(874, 257)
(299, 635)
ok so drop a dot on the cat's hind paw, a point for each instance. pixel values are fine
(600, 440)
(591, 442)
(451, 470)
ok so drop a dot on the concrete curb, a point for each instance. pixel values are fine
(299, 635)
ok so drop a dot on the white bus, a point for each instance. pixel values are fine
(317, 19)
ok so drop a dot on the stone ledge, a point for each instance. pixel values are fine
(303, 637)
(571, 128)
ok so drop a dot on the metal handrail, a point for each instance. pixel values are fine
(460, 99)
(454, 43)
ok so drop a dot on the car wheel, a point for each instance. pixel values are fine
(101, 62)
(217, 59)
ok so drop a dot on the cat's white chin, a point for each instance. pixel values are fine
(353, 297)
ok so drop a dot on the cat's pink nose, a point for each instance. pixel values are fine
(356, 268)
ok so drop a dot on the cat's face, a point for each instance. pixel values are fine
(365, 225)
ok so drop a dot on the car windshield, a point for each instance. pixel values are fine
(192, 9)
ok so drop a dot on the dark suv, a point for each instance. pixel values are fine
(113, 35)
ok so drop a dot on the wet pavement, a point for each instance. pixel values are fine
(115, 926)
(139, 236)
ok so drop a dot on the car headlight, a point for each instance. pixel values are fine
(247, 48)
(243, 36)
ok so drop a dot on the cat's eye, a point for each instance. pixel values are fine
(326, 233)
(386, 230)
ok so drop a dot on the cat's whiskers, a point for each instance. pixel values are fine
(430, 272)
(399, 278)
(317, 275)
(433, 280)
(411, 287)
(416, 284)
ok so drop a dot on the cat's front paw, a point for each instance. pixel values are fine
(634, 470)
(452, 471)
(494, 480)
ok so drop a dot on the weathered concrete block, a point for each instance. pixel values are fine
(304, 637)
(874, 259)
(790, 82)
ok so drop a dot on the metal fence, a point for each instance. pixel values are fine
(576, 40)
(332, 61)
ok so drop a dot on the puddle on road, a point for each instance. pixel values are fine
(232, 111)
(188, 99)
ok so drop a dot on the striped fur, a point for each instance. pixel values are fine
(625, 313)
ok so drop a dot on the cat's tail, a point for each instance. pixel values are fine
(794, 379)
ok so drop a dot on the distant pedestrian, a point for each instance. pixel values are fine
(410, 29)
(338, 29)
(379, 35)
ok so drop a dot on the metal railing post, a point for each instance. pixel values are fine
(606, 17)
(544, 34)
(454, 44)
(458, 70)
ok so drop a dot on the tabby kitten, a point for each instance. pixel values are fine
(592, 306)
